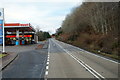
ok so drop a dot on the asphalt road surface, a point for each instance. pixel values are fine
(29, 64)
(60, 61)
(67, 61)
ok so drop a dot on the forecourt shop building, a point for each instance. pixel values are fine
(19, 34)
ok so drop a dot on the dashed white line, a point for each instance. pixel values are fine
(48, 57)
(43, 68)
(46, 73)
(48, 60)
(47, 64)
(47, 67)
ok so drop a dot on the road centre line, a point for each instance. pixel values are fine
(48, 57)
(43, 68)
(92, 71)
(47, 67)
(47, 64)
(48, 60)
(46, 73)
(86, 65)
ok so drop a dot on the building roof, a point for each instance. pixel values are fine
(12, 27)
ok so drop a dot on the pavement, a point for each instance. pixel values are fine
(8, 59)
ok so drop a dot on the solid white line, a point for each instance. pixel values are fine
(92, 53)
(81, 63)
(102, 57)
(95, 71)
(84, 66)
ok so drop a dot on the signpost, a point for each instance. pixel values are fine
(2, 35)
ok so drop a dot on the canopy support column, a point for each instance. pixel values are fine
(17, 37)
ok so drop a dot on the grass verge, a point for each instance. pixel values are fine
(2, 55)
(108, 55)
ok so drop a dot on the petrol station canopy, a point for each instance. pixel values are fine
(12, 27)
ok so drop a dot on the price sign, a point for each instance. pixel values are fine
(1, 26)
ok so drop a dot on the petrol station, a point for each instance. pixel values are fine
(16, 33)
(19, 34)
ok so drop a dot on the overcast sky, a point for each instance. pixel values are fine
(47, 14)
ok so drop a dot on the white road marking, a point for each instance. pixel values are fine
(48, 57)
(80, 61)
(48, 60)
(92, 53)
(102, 57)
(47, 64)
(47, 67)
(84, 66)
(92, 71)
(42, 69)
(46, 73)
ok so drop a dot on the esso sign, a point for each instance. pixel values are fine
(23, 24)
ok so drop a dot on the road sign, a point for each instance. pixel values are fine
(2, 37)
(1, 13)
(1, 31)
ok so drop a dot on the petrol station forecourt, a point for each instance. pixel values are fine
(19, 34)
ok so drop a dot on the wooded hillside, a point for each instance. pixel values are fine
(93, 26)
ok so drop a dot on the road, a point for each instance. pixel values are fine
(61, 60)
(29, 64)
(67, 61)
